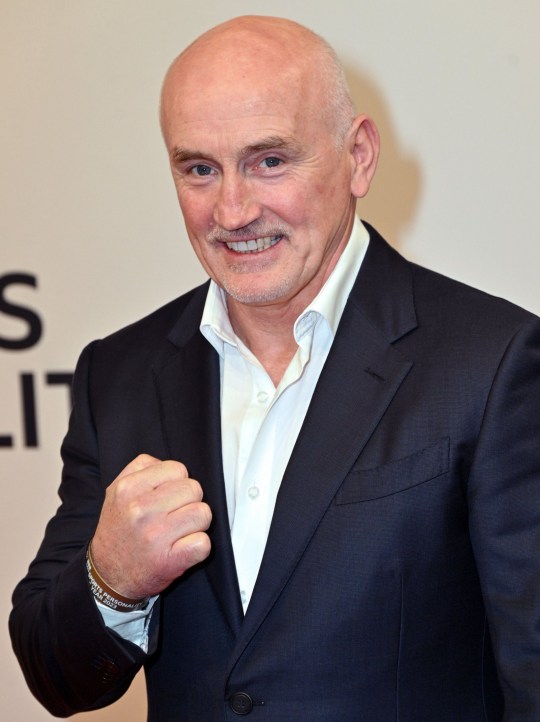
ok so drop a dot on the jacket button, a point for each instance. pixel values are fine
(241, 703)
(109, 672)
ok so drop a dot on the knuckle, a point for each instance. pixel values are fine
(151, 539)
(206, 514)
(182, 470)
(190, 490)
(136, 512)
(201, 547)
(192, 518)
(196, 489)
(141, 462)
(189, 520)
(176, 468)
(194, 550)
(143, 459)
(122, 489)
(202, 516)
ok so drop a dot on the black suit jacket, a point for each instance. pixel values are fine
(401, 578)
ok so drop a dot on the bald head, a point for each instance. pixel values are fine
(246, 53)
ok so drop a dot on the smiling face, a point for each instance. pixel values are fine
(266, 191)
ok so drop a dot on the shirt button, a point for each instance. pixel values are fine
(253, 492)
(262, 397)
(243, 596)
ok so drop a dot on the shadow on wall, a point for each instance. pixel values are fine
(393, 198)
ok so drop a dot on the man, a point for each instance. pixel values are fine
(309, 490)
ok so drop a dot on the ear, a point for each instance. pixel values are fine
(364, 148)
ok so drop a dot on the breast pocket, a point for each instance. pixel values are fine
(396, 476)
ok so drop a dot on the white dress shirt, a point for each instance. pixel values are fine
(260, 422)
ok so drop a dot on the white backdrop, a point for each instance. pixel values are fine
(91, 238)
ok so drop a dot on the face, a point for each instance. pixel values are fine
(264, 191)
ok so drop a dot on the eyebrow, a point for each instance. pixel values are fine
(272, 142)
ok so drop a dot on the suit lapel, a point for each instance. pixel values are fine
(358, 382)
(188, 388)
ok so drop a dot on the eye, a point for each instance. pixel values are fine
(201, 170)
(271, 162)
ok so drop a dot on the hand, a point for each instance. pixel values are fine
(151, 528)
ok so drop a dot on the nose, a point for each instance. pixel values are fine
(235, 205)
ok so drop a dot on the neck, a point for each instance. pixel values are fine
(268, 332)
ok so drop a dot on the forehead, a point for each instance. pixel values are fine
(233, 123)
(241, 128)
(236, 123)
(242, 94)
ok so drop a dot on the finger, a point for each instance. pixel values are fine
(176, 526)
(190, 550)
(187, 520)
(165, 471)
(171, 495)
(157, 504)
(150, 475)
(139, 463)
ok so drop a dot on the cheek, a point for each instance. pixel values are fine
(292, 203)
(196, 209)
(335, 188)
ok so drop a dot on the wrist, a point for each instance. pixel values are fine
(107, 595)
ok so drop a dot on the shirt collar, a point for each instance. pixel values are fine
(328, 304)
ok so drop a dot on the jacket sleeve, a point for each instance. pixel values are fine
(71, 661)
(504, 521)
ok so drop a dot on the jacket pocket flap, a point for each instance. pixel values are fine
(395, 476)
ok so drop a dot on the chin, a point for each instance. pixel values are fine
(257, 294)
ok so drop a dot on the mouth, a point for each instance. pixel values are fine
(254, 245)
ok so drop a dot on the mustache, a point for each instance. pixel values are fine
(246, 233)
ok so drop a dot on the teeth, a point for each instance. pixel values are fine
(254, 245)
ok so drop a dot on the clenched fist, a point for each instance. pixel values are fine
(151, 528)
